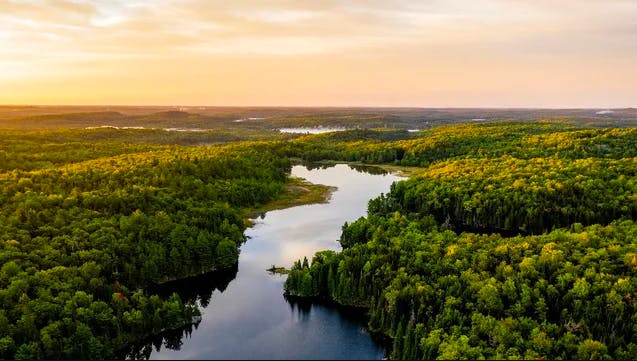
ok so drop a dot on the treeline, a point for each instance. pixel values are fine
(89, 219)
(562, 295)
(544, 268)
(38, 149)
(518, 195)
(488, 140)
(80, 242)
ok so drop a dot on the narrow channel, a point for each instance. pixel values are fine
(245, 315)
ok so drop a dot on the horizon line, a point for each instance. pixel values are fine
(327, 106)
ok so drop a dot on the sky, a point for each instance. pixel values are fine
(426, 53)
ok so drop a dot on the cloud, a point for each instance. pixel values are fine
(281, 26)
(448, 45)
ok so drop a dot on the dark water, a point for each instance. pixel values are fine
(245, 315)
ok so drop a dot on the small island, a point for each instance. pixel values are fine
(278, 270)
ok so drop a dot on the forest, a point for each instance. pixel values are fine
(514, 239)
(86, 227)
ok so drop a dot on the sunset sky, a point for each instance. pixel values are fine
(427, 53)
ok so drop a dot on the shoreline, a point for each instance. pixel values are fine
(297, 192)
(399, 170)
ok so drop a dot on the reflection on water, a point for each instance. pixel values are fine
(369, 169)
(197, 288)
(245, 315)
(353, 314)
(170, 340)
(361, 168)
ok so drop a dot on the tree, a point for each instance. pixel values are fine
(592, 350)
(27, 351)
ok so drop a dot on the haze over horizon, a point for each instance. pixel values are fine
(455, 53)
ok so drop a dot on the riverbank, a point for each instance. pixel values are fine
(399, 170)
(252, 304)
(297, 192)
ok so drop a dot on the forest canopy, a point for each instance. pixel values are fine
(514, 239)
(85, 228)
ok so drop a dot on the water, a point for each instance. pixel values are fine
(245, 315)
(313, 130)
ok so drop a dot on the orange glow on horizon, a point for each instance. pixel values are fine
(456, 53)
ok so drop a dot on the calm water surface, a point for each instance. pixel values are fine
(245, 315)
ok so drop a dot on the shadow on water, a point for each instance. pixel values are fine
(349, 314)
(171, 340)
(192, 289)
(367, 169)
(201, 288)
(250, 319)
(197, 288)
(304, 306)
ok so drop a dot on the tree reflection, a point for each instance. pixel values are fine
(368, 169)
(197, 288)
(193, 289)
(348, 314)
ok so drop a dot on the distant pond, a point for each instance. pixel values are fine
(312, 130)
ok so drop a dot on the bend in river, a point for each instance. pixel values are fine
(245, 315)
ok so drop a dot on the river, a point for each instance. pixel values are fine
(245, 315)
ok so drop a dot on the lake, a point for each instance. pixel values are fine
(245, 315)
(312, 130)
